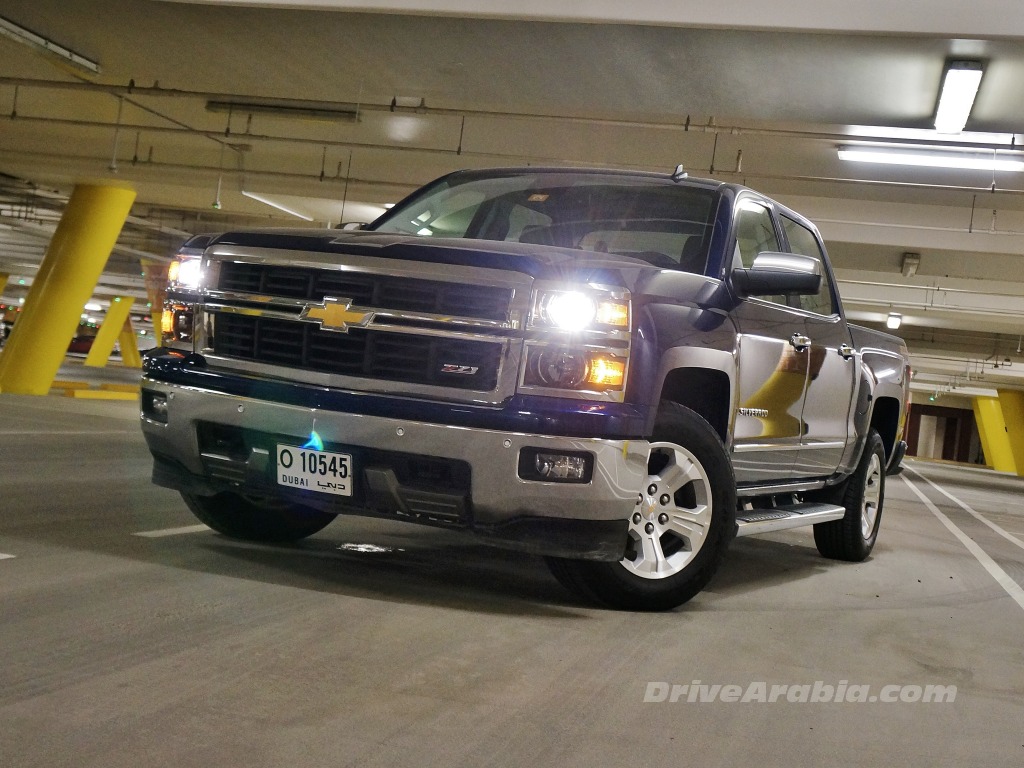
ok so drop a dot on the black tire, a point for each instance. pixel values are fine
(257, 520)
(680, 528)
(862, 494)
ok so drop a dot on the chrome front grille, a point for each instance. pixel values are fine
(429, 360)
(366, 323)
(402, 294)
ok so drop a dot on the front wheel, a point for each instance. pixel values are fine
(679, 529)
(257, 519)
(862, 493)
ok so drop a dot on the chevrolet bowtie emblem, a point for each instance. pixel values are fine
(336, 315)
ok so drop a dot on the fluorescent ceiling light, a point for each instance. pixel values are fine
(931, 158)
(893, 321)
(272, 204)
(26, 36)
(879, 133)
(959, 87)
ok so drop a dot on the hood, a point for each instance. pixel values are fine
(538, 261)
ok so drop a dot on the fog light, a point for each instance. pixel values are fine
(154, 406)
(555, 467)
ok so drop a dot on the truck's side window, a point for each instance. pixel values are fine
(755, 233)
(803, 241)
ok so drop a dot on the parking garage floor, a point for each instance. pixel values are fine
(131, 636)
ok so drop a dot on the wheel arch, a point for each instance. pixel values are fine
(885, 419)
(704, 390)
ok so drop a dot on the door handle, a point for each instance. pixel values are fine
(799, 342)
(846, 351)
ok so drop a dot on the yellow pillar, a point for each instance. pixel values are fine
(155, 274)
(1012, 404)
(994, 441)
(66, 278)
(130, 357)
(110, 330)
(3, 284)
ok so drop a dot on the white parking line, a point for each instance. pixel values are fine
(172, 531)
(1002, 532)
(1013, 589)
(6, 557)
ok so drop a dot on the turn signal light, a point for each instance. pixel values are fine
(607, 372)
(613, 313)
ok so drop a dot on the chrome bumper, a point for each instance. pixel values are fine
(566, 519)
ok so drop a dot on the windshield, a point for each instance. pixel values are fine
(664, 224)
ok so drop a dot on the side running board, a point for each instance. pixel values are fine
(750, 522)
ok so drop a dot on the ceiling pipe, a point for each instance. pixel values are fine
(747, 176)
(248, 137)
(214, 171)
(675, 125)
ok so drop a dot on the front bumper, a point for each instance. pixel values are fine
(481, 490)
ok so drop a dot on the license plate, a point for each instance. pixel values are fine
(314, 470)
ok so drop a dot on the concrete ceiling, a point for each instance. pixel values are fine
(760, 93)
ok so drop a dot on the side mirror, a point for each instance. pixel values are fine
(778, 273)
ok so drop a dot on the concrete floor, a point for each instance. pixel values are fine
(190, 649)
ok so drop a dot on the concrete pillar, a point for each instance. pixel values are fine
(1011, 402)
(992, 428)
(65, 281)
(109, 332)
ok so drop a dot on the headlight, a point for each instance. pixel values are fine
(557, 368)
(577, 341)
(177, 323)
(184, 280)
(574, 369)
(576, 311)
(185, 273)
(571, 311)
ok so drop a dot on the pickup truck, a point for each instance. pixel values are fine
(618, 371)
